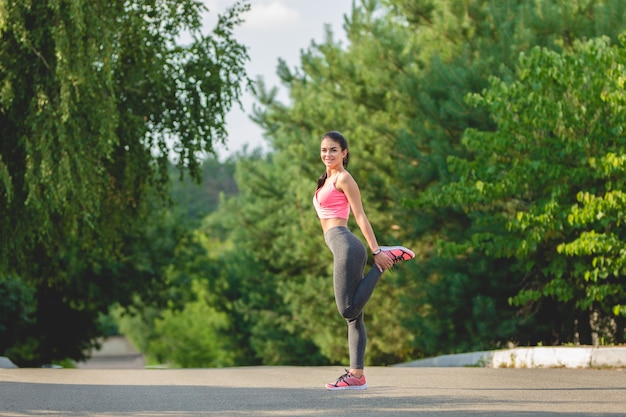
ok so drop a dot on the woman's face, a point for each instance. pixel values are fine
(331, 153)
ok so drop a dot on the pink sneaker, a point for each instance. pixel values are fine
(347, 381)
(398, 253)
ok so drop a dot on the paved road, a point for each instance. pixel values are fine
(298, 391)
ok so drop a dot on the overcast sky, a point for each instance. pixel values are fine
(275, 29)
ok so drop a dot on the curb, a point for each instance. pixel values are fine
(531, 357)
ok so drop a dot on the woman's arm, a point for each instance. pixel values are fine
(350, 188)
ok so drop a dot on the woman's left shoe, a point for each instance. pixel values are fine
(398, 253)
(347, 381)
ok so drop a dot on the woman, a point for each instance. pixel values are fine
(337, 193)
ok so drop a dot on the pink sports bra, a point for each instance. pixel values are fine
(331, 203)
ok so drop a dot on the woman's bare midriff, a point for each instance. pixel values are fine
(328, 224)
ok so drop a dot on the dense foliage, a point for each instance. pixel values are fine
(485, 135)
(544, 191)
(95, 97)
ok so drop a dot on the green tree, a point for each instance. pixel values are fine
(457, 46)
(16, 309)
(196, 328)
(544, 189)
(197, 199)
(95, 97)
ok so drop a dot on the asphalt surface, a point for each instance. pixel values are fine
(299, 391)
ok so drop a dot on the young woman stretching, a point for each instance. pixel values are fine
(337, 193)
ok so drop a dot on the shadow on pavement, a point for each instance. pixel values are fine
(18, 399)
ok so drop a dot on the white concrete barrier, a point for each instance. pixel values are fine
(532, 357)
(542, 357)
(609, 357)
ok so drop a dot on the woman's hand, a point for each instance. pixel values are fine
(382, 261)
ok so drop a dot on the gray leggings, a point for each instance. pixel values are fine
(352, 289)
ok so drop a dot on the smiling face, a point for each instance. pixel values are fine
(331, 153)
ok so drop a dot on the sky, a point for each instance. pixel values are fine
(274, 29)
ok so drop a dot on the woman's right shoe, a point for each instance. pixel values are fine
(398, 253)
(347, 381)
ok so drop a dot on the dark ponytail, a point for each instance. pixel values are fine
(321, 180)
(341, 140)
